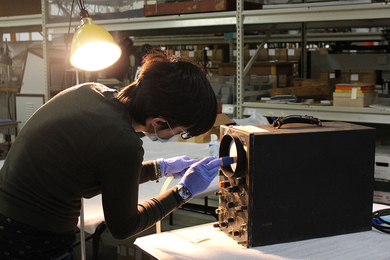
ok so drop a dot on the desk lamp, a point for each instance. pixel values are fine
(93, 48)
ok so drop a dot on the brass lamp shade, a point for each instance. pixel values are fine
(93, 48)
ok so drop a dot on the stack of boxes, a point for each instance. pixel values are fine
(271, 55)
(382, 175)
(356, 87)
(209, 58)
(354, 95)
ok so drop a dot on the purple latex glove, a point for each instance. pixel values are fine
(199, 176)
(175, 166)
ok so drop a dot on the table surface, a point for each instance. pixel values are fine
(206, 242)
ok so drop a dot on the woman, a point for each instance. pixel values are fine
(85, 141)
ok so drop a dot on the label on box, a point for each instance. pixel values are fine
(382, 197)
(332, 75)
(382, 169)
(252, 52)
(271, 52)
(354, 93)
(227, 109)
(177, 53)
(191, 54)
(209, 53)
(290, 52)
(354, 77)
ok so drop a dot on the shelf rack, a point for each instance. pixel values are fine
(316, 15)
(329, 16)
(331, 113)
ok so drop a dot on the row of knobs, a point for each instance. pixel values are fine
(225, 224)
(230, 205)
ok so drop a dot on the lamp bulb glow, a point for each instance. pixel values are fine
(93, 48)
(95, 56)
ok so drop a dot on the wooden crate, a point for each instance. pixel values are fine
(203, 6)
(308, 88)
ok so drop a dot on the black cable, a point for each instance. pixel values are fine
(83, 12)
(380, 223)
(9, 107)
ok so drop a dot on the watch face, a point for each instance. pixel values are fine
(184, 193)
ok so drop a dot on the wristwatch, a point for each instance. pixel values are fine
(184, 193)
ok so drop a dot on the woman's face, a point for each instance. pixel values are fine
(164, 134)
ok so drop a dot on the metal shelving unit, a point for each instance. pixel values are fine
(332, 113)
(192, 23)
(312, 16)
(21, 23)
(317, 16)
(199, 27)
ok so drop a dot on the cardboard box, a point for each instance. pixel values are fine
(221, 119)
(381, 197)
(293, 54)
(191, 55)
(357, 87)
(382, 179)
(363, 76)
(248, 53)
(354, 99)
(345, 76)
(20, 7)
(263, 56)
(216, 55)
(219, 103)
(328, 74)
(358, 76)
(186, 7)
(277, 54)
(324, 51)
(382, 167)
(259, 69)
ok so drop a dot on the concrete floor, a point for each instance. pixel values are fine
(112, 249)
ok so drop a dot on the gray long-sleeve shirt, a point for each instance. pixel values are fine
(79, 144)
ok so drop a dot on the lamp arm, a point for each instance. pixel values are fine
(83, 12)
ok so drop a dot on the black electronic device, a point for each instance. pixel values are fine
(296, 182)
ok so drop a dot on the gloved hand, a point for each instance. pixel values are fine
(175, 166)
(199, 176)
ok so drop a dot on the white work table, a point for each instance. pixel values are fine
(215, 244)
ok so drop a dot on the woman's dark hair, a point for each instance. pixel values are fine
(174, 88)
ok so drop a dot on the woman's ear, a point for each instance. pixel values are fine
(158, 121)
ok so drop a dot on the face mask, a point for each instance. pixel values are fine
(154, 137)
